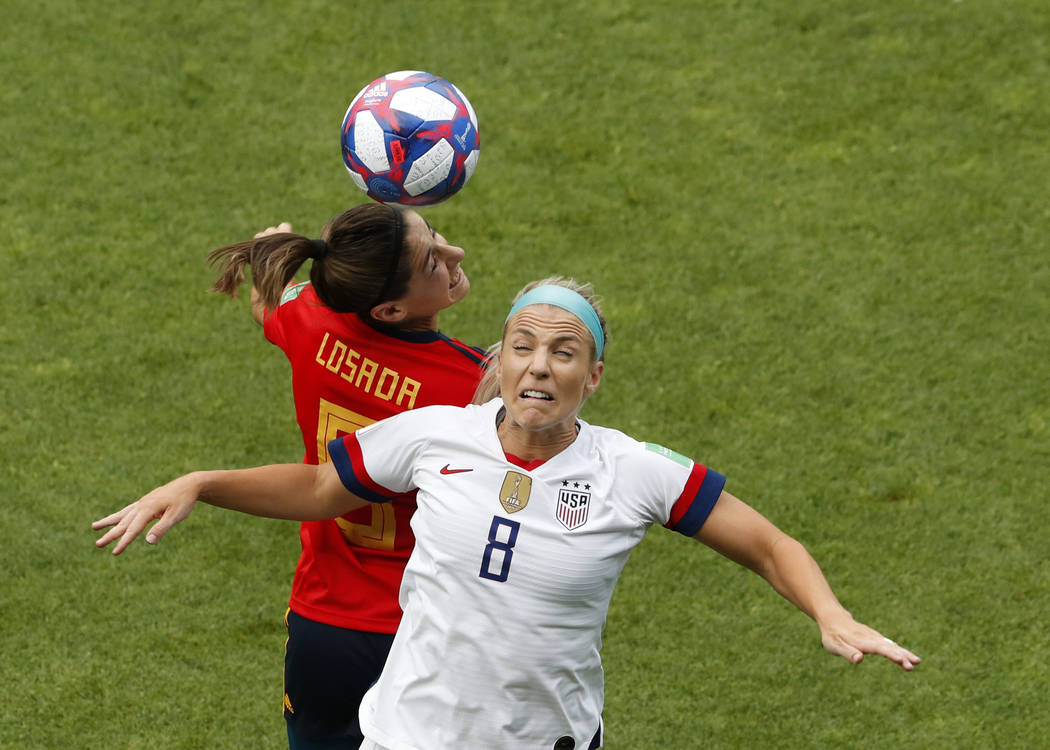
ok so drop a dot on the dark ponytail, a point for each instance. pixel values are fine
(359, 262)
(273, 259)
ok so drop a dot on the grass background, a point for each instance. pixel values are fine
(820, 232)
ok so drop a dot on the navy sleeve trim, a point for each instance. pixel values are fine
(362, 486)
(702, 505)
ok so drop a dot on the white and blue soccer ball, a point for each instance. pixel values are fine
(410, 137)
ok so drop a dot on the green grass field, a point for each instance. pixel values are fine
(820, 231)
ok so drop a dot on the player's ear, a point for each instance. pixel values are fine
(595, 378)
(390, 313)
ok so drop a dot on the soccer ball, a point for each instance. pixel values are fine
(410, 137)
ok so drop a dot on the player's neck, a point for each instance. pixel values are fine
(429, 323)
(536, 444)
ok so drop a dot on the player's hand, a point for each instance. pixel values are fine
(852, 640)
(283, 228)
(170, 504)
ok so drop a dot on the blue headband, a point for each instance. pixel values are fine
(566, 299)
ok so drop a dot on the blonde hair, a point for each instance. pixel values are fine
(488, 388)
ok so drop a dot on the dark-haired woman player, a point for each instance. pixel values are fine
(363, 342)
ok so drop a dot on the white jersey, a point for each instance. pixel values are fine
(507, 590)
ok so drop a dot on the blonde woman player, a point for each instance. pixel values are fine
(526, 516)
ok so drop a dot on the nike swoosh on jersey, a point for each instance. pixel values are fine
(446, 470)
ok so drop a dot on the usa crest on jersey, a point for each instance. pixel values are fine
(573, 506)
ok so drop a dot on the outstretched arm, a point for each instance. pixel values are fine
(302, 492)
(742, 534)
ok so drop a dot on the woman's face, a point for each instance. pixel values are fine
(546, 368)
(438, 281)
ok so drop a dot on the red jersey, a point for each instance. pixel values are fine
(346, 374)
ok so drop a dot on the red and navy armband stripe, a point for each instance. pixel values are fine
(697, 500)
(349, 463)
